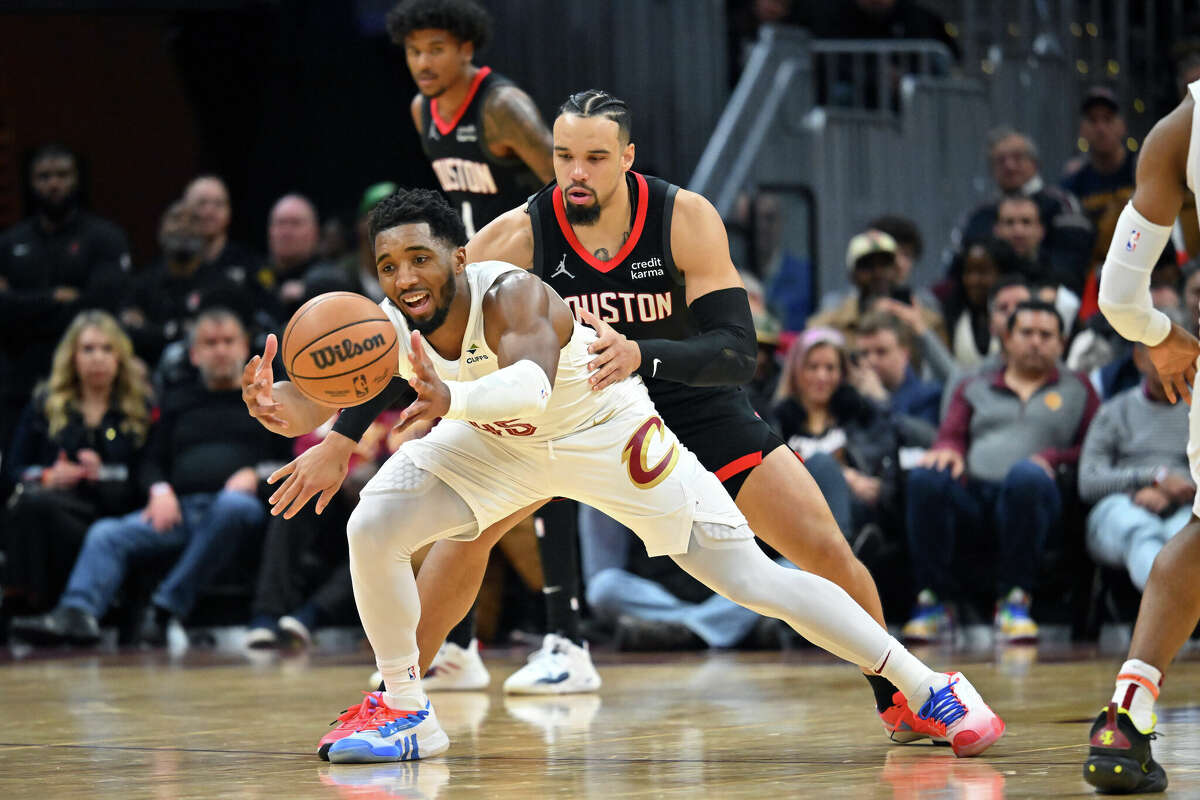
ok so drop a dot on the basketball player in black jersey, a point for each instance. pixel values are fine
(483, 135)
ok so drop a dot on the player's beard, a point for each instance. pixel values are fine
(582, 215)
(57, 210)
(426, 327)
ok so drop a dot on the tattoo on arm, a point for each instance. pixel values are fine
(511, 121)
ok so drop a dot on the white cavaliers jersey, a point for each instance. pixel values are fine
(573, 405)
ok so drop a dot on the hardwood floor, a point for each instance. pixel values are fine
(143, 725)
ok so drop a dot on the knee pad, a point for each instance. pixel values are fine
(408, 507)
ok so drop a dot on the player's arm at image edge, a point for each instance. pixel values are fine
(725, 351)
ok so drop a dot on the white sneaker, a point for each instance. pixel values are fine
(294, 633)
(559, 667)
(392, 735)
(456, 669)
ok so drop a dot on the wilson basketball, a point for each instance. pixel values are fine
(339, 349)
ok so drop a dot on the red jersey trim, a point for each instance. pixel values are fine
(639, 222)
(748, 461)
(444, 128)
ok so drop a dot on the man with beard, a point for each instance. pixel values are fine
(635, 254)
(201, 483)
(57, 262)
(498, 356)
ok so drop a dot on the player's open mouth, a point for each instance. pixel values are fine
(579, 196)
(417, 302)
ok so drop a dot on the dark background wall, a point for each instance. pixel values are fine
(311, 96)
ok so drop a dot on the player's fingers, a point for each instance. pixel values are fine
(1169, 390)
(327, 496)
(249, 372)
(286, 469)
(1183, 388)
(284, 488)
(286, 497)
(606, 376)
(600, 360)
(269, 349)
(300, 502)
(592, 320)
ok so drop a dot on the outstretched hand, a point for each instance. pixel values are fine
(258, 378)
(617, 357)
(433, 395)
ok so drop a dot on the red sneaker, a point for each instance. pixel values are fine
(351, 720)
(957, 714)
(902, 726)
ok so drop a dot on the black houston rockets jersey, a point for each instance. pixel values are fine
(639, 291)
(480, 185)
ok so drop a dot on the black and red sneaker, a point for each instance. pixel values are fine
(1119, 761)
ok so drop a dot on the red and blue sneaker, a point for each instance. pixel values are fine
(348, 722)
(392, 734)
(957, 714)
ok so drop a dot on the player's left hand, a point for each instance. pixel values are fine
(617, 357)
(433, 395)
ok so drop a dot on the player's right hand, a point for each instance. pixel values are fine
(257, 380)
(319, 469)
(1175, 360)
(943, 459)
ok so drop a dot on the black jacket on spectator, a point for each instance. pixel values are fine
(45, 527)
(872, 439)
(203, 437)
(87, 253)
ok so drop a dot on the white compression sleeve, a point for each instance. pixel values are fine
(1125, 278)
(518, 390)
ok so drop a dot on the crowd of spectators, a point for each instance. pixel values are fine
(951, 427)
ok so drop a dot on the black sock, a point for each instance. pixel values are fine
(883, 689)
(557, 527)
(462, 633)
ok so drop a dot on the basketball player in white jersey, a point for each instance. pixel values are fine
(498, 356)
(1119, 761)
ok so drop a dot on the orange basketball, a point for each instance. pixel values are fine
(339, 349)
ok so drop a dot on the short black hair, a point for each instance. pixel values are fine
(1035, 305)
(405, 206)
(902, 229)
(599, 103)
(466, 20)
(1004, 282)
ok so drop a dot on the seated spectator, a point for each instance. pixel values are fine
(207, 198)
(73, 458)
(885, 343)
(201, 480)
(1018, 224)
(359, 265)
(53, 265)
(973, 274)
(293, 233)
(1133, 468)
(179, 284)
(909, 246)
(871, 261)
(848, 444)
(1102, 180)
(1068, 235)
(1008, 432)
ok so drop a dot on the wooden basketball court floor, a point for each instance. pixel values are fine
(720, 724)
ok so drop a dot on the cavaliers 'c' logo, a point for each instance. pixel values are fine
(634, 456)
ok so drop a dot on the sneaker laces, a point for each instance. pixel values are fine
(393, 719)
(943, 705)
(362, 711)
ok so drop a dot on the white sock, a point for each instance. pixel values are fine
(908, 673)
(402, 677)
(1137, 689)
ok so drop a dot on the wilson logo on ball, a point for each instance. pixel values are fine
(331, 355)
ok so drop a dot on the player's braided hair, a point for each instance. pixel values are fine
(418, 205)
(466, 20)
(599, 103)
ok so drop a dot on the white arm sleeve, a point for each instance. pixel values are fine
(518, 390)
(1125, 278)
